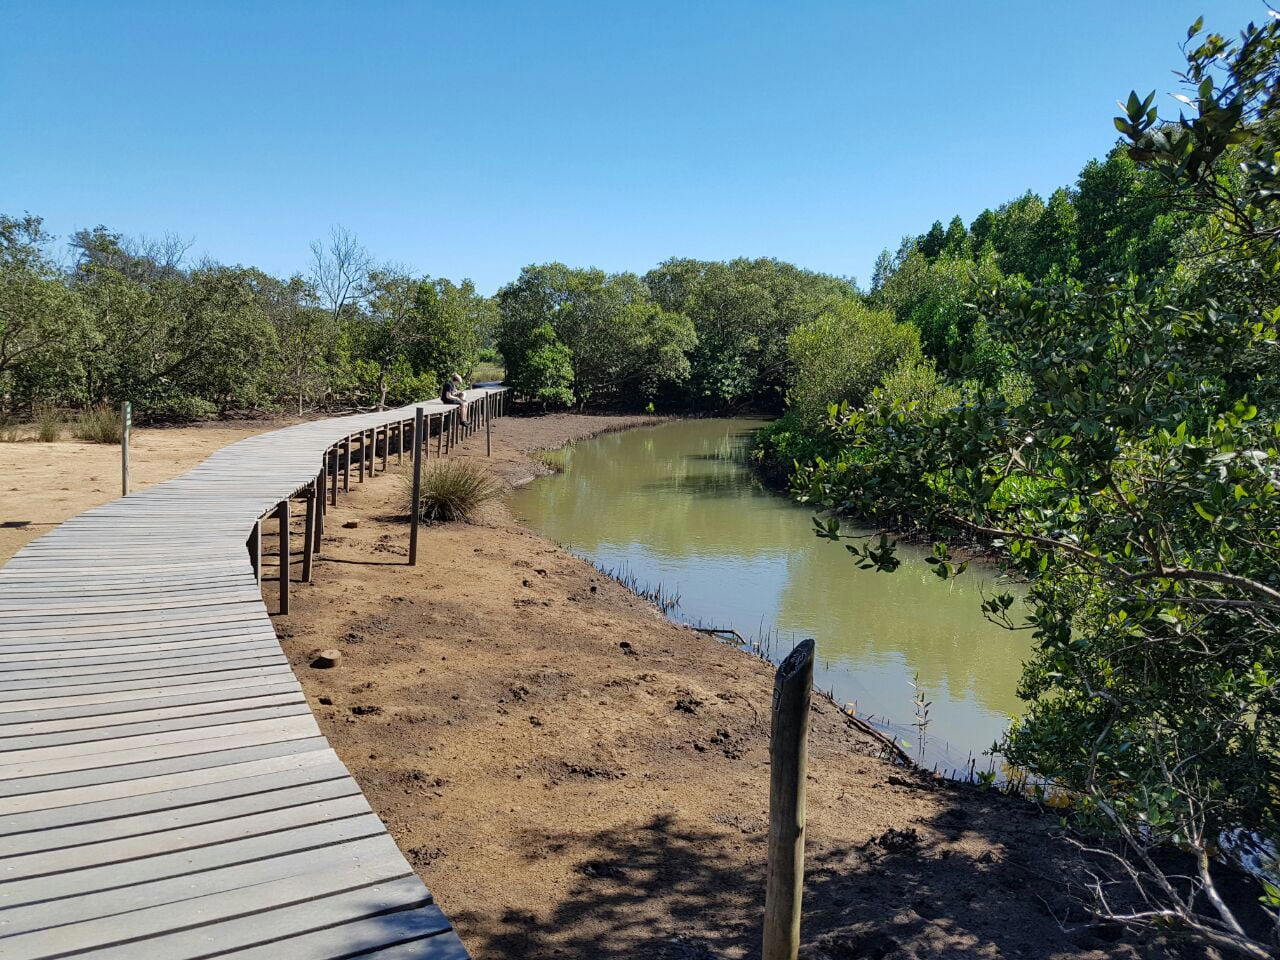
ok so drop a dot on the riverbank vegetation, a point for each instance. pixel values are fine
(1112, 429)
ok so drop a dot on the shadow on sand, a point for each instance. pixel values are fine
(664, 892)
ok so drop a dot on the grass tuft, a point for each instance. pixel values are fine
(452, 490)
(553, 460)
(100, 424)
(48, 421)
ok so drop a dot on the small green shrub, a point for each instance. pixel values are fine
(100, 424)
(48, 421)
(452, 490)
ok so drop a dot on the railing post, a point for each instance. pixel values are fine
(282, 514)
(346, 464)
(126, 425)
(321, 510)
(360, 465)
(488, 429)
(386, 444)
(309, 533)
(416, 496)
(788, 759)
(333, 477)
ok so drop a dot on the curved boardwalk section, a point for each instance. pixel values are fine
(164, 789)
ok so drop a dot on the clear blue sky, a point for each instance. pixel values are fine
(468, 139)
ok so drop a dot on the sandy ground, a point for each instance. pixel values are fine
(574, 776)
(43, 484)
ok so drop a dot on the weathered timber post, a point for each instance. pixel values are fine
(788, 760)
(333, 477)
(400, 442)
(126, 425)
(360, 463)
(309, 533)
(415, 500)
(386, 444)
(373, 450)
(425, 441)
(346, 464)
(282, 514)
(321, 510)
(488, 430)
(254, 544)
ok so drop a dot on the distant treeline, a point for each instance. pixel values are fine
(118, 318)
(128, 319)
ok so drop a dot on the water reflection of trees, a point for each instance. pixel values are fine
(937, 628)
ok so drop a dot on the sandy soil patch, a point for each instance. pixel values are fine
(43, 484)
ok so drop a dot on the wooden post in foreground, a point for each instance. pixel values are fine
(488, 426)
(416, 497)
(282, 512)
(126, 424)
(788, 760)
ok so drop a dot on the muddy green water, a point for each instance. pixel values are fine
(676, 505)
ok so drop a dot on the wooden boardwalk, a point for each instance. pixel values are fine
(164, 789)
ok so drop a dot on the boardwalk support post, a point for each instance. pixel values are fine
(488, 428)
(415, 501)
(788, 759)
(282, 514)
(309, 533)
(322, 510)
(126, 423)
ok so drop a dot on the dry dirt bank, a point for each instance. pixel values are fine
(574, 776)
(43, 484)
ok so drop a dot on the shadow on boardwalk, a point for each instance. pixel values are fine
(668, 893)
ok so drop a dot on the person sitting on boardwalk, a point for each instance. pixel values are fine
(452, 393)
